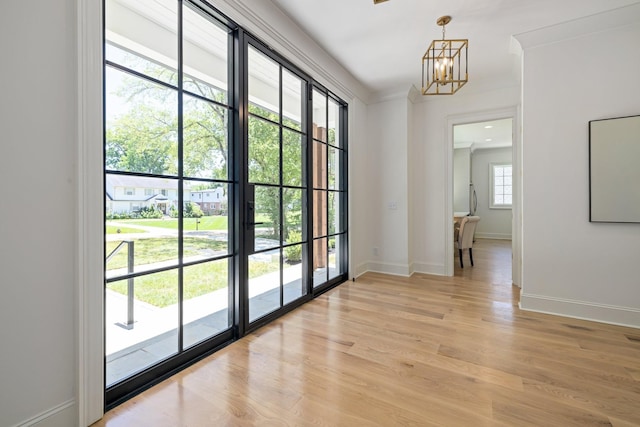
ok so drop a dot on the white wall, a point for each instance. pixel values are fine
(37, 218)
(362, 196)
(387, 151)
(461, 179)
(411, 187)
(571, 266)
(494, 223)
(430, 167)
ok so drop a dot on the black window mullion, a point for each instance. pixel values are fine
(281, 180)
(310, 188)
(180, 183)
(326, 182)
(240, 171)
(343, 187)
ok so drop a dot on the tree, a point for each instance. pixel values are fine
(192, 210)
(264, 168)
(145, 139)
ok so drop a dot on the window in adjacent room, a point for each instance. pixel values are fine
(501, 185)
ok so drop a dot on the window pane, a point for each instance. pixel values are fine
(335, 167)
(292, 158)
(264, 152)
(140, 64)
(502, 185)
(142, 36)
(319, 165)
(334, 122)
(205, 139)
(320, 262)
(337, 223)
(264, 86)
(319, 116)
(140, 235)
(141, 125)
(319, 213)
(267, 213)
(264, 283)
(292, 202)
(334, 212)
(336, 248)
(292, 88)
(206, 300)
(204, 53)
(153, 335)
(293, 284)
(205, 220)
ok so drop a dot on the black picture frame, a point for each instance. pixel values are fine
(614, 170)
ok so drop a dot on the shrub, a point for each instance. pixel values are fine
(119, 215)
(150, 212)
(294, 253)
(192, 210)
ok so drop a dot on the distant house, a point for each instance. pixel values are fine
(128, 194)
(212, 201)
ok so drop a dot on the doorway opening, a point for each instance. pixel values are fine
(483, 186)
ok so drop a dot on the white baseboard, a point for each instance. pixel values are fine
(425, 268)
(615, 315)
(382, 267)
(497, 236)
(398, 269)
(360, 269)
(389, 268)
(62, 415)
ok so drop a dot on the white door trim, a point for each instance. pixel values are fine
(482, 116)
(90, 213)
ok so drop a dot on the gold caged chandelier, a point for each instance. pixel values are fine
(444, 64)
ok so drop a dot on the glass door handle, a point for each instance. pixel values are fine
(251, 214)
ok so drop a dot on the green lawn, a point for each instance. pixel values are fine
(148, 251)
(206, 223)
(114, 229)
(161, 289)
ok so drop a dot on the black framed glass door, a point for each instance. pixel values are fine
(225, 188)
(168, 189)
(276, 185)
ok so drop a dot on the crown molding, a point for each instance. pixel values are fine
(322, 66)
(611, 19)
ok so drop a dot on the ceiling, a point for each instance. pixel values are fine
(382, 45)
(491, 134)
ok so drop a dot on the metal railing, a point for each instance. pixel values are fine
(130, 263)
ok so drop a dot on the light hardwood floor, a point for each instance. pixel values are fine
(419, 351)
